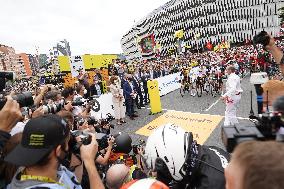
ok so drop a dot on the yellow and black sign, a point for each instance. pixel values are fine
(154, 95)
(201, 125)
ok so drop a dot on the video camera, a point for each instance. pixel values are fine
(265, 127)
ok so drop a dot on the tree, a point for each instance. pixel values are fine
(281, 15)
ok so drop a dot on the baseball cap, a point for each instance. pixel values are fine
(40, 136)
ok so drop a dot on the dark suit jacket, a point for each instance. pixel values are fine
(156, 74)
(127, 90)
(93, 90)
(136, 84)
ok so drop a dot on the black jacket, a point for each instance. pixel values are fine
(4, 137)
(208, 172)
(93, 90)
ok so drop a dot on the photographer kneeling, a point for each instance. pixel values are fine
(42, 150)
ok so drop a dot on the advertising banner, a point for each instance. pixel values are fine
(168, 83)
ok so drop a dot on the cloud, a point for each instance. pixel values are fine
(91, 26)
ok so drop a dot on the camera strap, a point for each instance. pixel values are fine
(40, 178)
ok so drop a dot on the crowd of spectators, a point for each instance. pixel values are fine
(54, 142)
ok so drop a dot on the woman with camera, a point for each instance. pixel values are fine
(117, 99)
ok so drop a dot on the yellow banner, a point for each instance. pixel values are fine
(201, 125)
(64, 63)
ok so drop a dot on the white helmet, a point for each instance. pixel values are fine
(171, 144)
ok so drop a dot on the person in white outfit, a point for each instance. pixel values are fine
(232, 96)
(117, 99)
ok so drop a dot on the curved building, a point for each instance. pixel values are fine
(210, 20)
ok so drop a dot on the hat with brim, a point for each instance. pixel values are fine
(40, 136)
(26, 157)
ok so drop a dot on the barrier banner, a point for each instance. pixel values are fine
(168, 83)
(103, 106)
(76, 65)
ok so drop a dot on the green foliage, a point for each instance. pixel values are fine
(281, 14)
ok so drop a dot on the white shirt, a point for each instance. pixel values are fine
(233, 85)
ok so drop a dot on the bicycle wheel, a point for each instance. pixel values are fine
(199, 90)
(193, 90)
(212, 89)
(181, 91)
(206, 87)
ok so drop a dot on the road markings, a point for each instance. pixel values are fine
(212, 105)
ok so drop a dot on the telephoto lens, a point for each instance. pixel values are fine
(24, 99)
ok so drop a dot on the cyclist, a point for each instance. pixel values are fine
(184, 76)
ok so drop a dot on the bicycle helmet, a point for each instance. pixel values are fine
(145, 184)
(123, 143)
(171, 144)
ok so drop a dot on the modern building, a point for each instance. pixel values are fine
(202, 21)
(34, 64)
(25, 67)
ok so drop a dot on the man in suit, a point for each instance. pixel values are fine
(144, 78)
(129, 95)
(96, 88)
(137, 87)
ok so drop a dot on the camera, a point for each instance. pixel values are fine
(262, 38)
(140, 144)
(8, 75)
(85, 139)
(79, 102)
(90, 120)
(53, 108)
(265, 128)
(24, 99)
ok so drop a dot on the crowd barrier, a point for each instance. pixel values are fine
(103, 105)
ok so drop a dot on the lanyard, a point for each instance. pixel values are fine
(40, 178)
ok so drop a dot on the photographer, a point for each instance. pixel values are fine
(182, 163)
(119, 174)
(68, 93)
(43, 147)
(269, 44)
(81, 110)
(256, 165)
(278, 106)
(9, 116)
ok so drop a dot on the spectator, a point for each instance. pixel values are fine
(9, 116)
(180, 162)
(7, 170)
(97, 88)
(42, 168)
(117, 99)
(119, 174)
(256, 165)
(139, 98)
(98, 77)
(129, 95)
(144, 78)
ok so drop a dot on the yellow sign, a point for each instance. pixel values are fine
(154, 95)
(201, 125)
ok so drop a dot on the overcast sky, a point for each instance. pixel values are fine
(91, 26)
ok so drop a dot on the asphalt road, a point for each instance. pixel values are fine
(203, 105)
